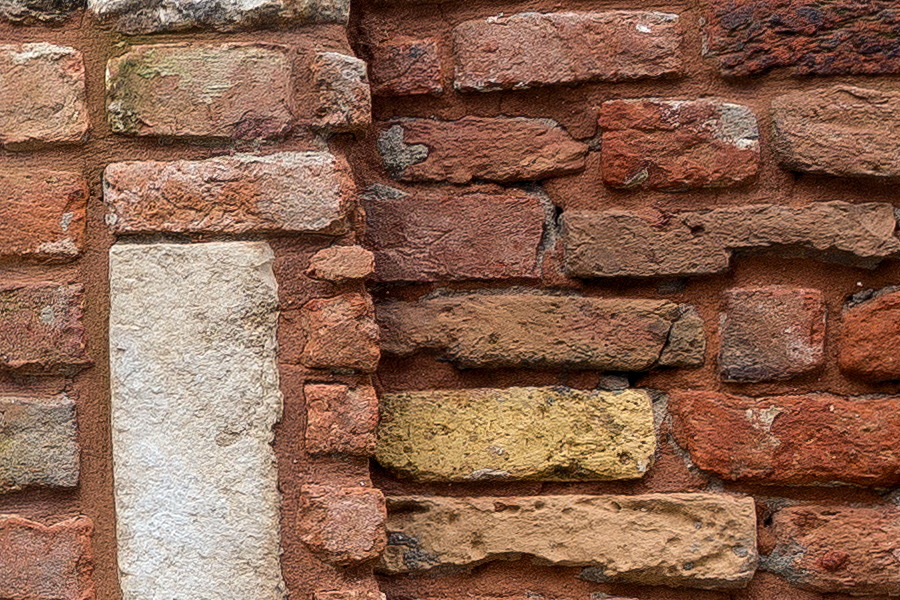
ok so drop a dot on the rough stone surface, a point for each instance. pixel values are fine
(41, 328)
(340, 333)
(677, 144)
(532, 433)
(239, 90)
(150, 16)
(533, 49)
(38, 11)
(749, 37)
(349, 595)
(42, 96)
(38, 445)
(42, 214)
(342, 263)
(771, 333)
(626, 244)
(810, 439)
(870, 338)
(694, 540)
(838, 549)
(405, 67)
(46, 563)
(448, 233)
(841, 130)
(289, 191)
(340, 419)
(493, 149)
(533, 330)
(343, 526)
(345, 100)
(194, 399)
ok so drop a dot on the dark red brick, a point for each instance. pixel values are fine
(401, 67)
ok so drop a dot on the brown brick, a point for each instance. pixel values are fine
(533, 49)
(838, 549)
(349, 595)
(448, 234)
(342, 263)
(535, 330)
(870, 337)
(343, 525)
(238, 90)
(677, 144)
(42, 95)
(340, 419)
(405, 67)
(627, 244)
(771, 333)
(42, 214)
(38, 11)
(345, 100)
(819, 439)
(46, 563)
(41, 328)
(340, 333)
(288, 191)
(495, 149)
(834, 37)
(841, 130)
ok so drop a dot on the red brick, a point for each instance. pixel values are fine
(340, 419)
(870, 337)
(343, 525)
(340, 333)
(341, 263)
(790, 440)
(834, 37)
(677, 144)
(46, 563)
(43, 96)
(534, 49)
(401, 67)
(495, 149)
(238, 90)
(345, 100)
(41, 328)
(838, 549)
(288, 191)
(771, 333)
(42, 214)
(449, 234)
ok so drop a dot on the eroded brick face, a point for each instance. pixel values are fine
(870, 338)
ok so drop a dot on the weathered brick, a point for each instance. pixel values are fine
(870, 337)
(534, 330)
(41, 328)
(342, 263)
(340, 333)
(771, 333)
(150, 16)
(38, 11)
(545, 434)
(340, 419)
(834, 37)
(677, 144)
(345, 100)
(42, 214)
(288, 191)
(38, 445)
(38, 562)
(343, 525)
(42, 95)
(841, 130)
(626, 244)
(838, 549)
(819, 439)
(533, 49)
(349, 595)
(406, 66)
(495, 149)
(694, 540)
(448, 234)
(239, 90)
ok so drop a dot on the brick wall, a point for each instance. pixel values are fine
(438, 300)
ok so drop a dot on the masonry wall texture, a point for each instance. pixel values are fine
(431, 300)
